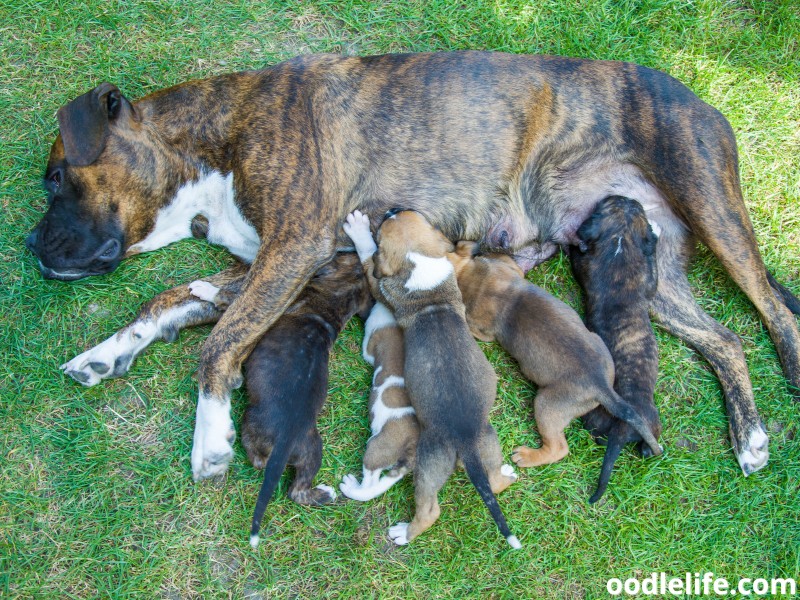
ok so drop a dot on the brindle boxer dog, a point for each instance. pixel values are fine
(513, 151)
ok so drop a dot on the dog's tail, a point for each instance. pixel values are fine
(616, 441)
(477, 475)
(618, 407)
(784, 295)
(276, 463)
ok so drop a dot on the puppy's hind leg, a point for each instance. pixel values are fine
(500, 475)
(676, 310)
(435, 463)
(553, 414)
(307, 464)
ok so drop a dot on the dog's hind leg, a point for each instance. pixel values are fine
(553, 413)
(307, 465)
(435, 463)
(500, 475)
(676, 310)
(160, 319)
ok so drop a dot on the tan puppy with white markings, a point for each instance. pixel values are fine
(450, 382)
(395, 431)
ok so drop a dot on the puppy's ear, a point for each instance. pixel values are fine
(649, 242)
(588, 233)
(467, 249)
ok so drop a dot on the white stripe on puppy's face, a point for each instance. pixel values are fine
(428, 272)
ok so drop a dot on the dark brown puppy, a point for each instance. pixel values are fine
(287, 379)
(616, 266)
(450, 382)
(514, 151)
(569, 364)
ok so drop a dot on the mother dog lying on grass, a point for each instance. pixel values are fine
(513, 151)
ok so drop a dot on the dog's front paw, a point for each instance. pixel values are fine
(111, 358)
(212, 449)
(753, 453)
(399, 534)
(203, 290)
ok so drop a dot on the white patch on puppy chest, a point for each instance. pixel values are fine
(428, 272)
(382, 414)
(211, 196)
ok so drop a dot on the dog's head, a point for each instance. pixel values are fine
(405, 232)
(618, 227)
(105, 179)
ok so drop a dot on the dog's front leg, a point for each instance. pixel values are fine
(280, 271)
(160, 319)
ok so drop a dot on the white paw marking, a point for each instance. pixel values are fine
(508, 471)
(212, 449)
(428, 273)
(114, 356)
(372, 486)
(756, 452)
(357, 227)
(398, 534)
(203, 290)
(329, 490)
(379, 317)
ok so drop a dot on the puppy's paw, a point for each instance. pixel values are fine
(203, 290)
(357, 227)
(322, 494)
(530, 457)
(754, 452)
(212, 449)
(508, 471)
(350, 487)
(399, 534)
(327, 495)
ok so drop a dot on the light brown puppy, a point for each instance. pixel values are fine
(450, 382)
(570, 365)
(395, 431)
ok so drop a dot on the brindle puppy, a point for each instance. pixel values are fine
(616, 266)
(287, 379)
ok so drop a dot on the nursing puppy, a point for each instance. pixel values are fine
(287, 379)
(570, 365)
(395, 431)
(450, 382)
(616, 266)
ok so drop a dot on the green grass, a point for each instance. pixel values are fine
(96, 495)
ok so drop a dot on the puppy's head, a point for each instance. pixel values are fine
(404, 232)
(619, 227)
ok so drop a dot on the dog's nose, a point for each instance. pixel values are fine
(30, 241)
(109, 251)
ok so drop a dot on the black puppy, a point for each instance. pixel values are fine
(616, 266)
(287, 379)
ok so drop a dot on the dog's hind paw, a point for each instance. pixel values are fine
(508, 471)
(111, 358)
(754, 452)
(399, 534)
(203, 290)
(328, 490)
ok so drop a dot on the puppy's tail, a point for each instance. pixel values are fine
(621, 409)
(784, 295)
(616, 441)
(477, 475)
(276, 463)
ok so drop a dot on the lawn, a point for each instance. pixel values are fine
(96, 493)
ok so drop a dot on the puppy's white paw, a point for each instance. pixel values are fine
(508, 471)
(212, 449)
(203, 290)
(357, 227)
(398, 534)
(329, 490)
(754, 453)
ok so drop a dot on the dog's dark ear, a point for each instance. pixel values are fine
(84, 122)
(588, 233)
(649, 243)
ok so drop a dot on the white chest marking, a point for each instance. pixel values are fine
(382, 414)
(211, 196)
(428, 272)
